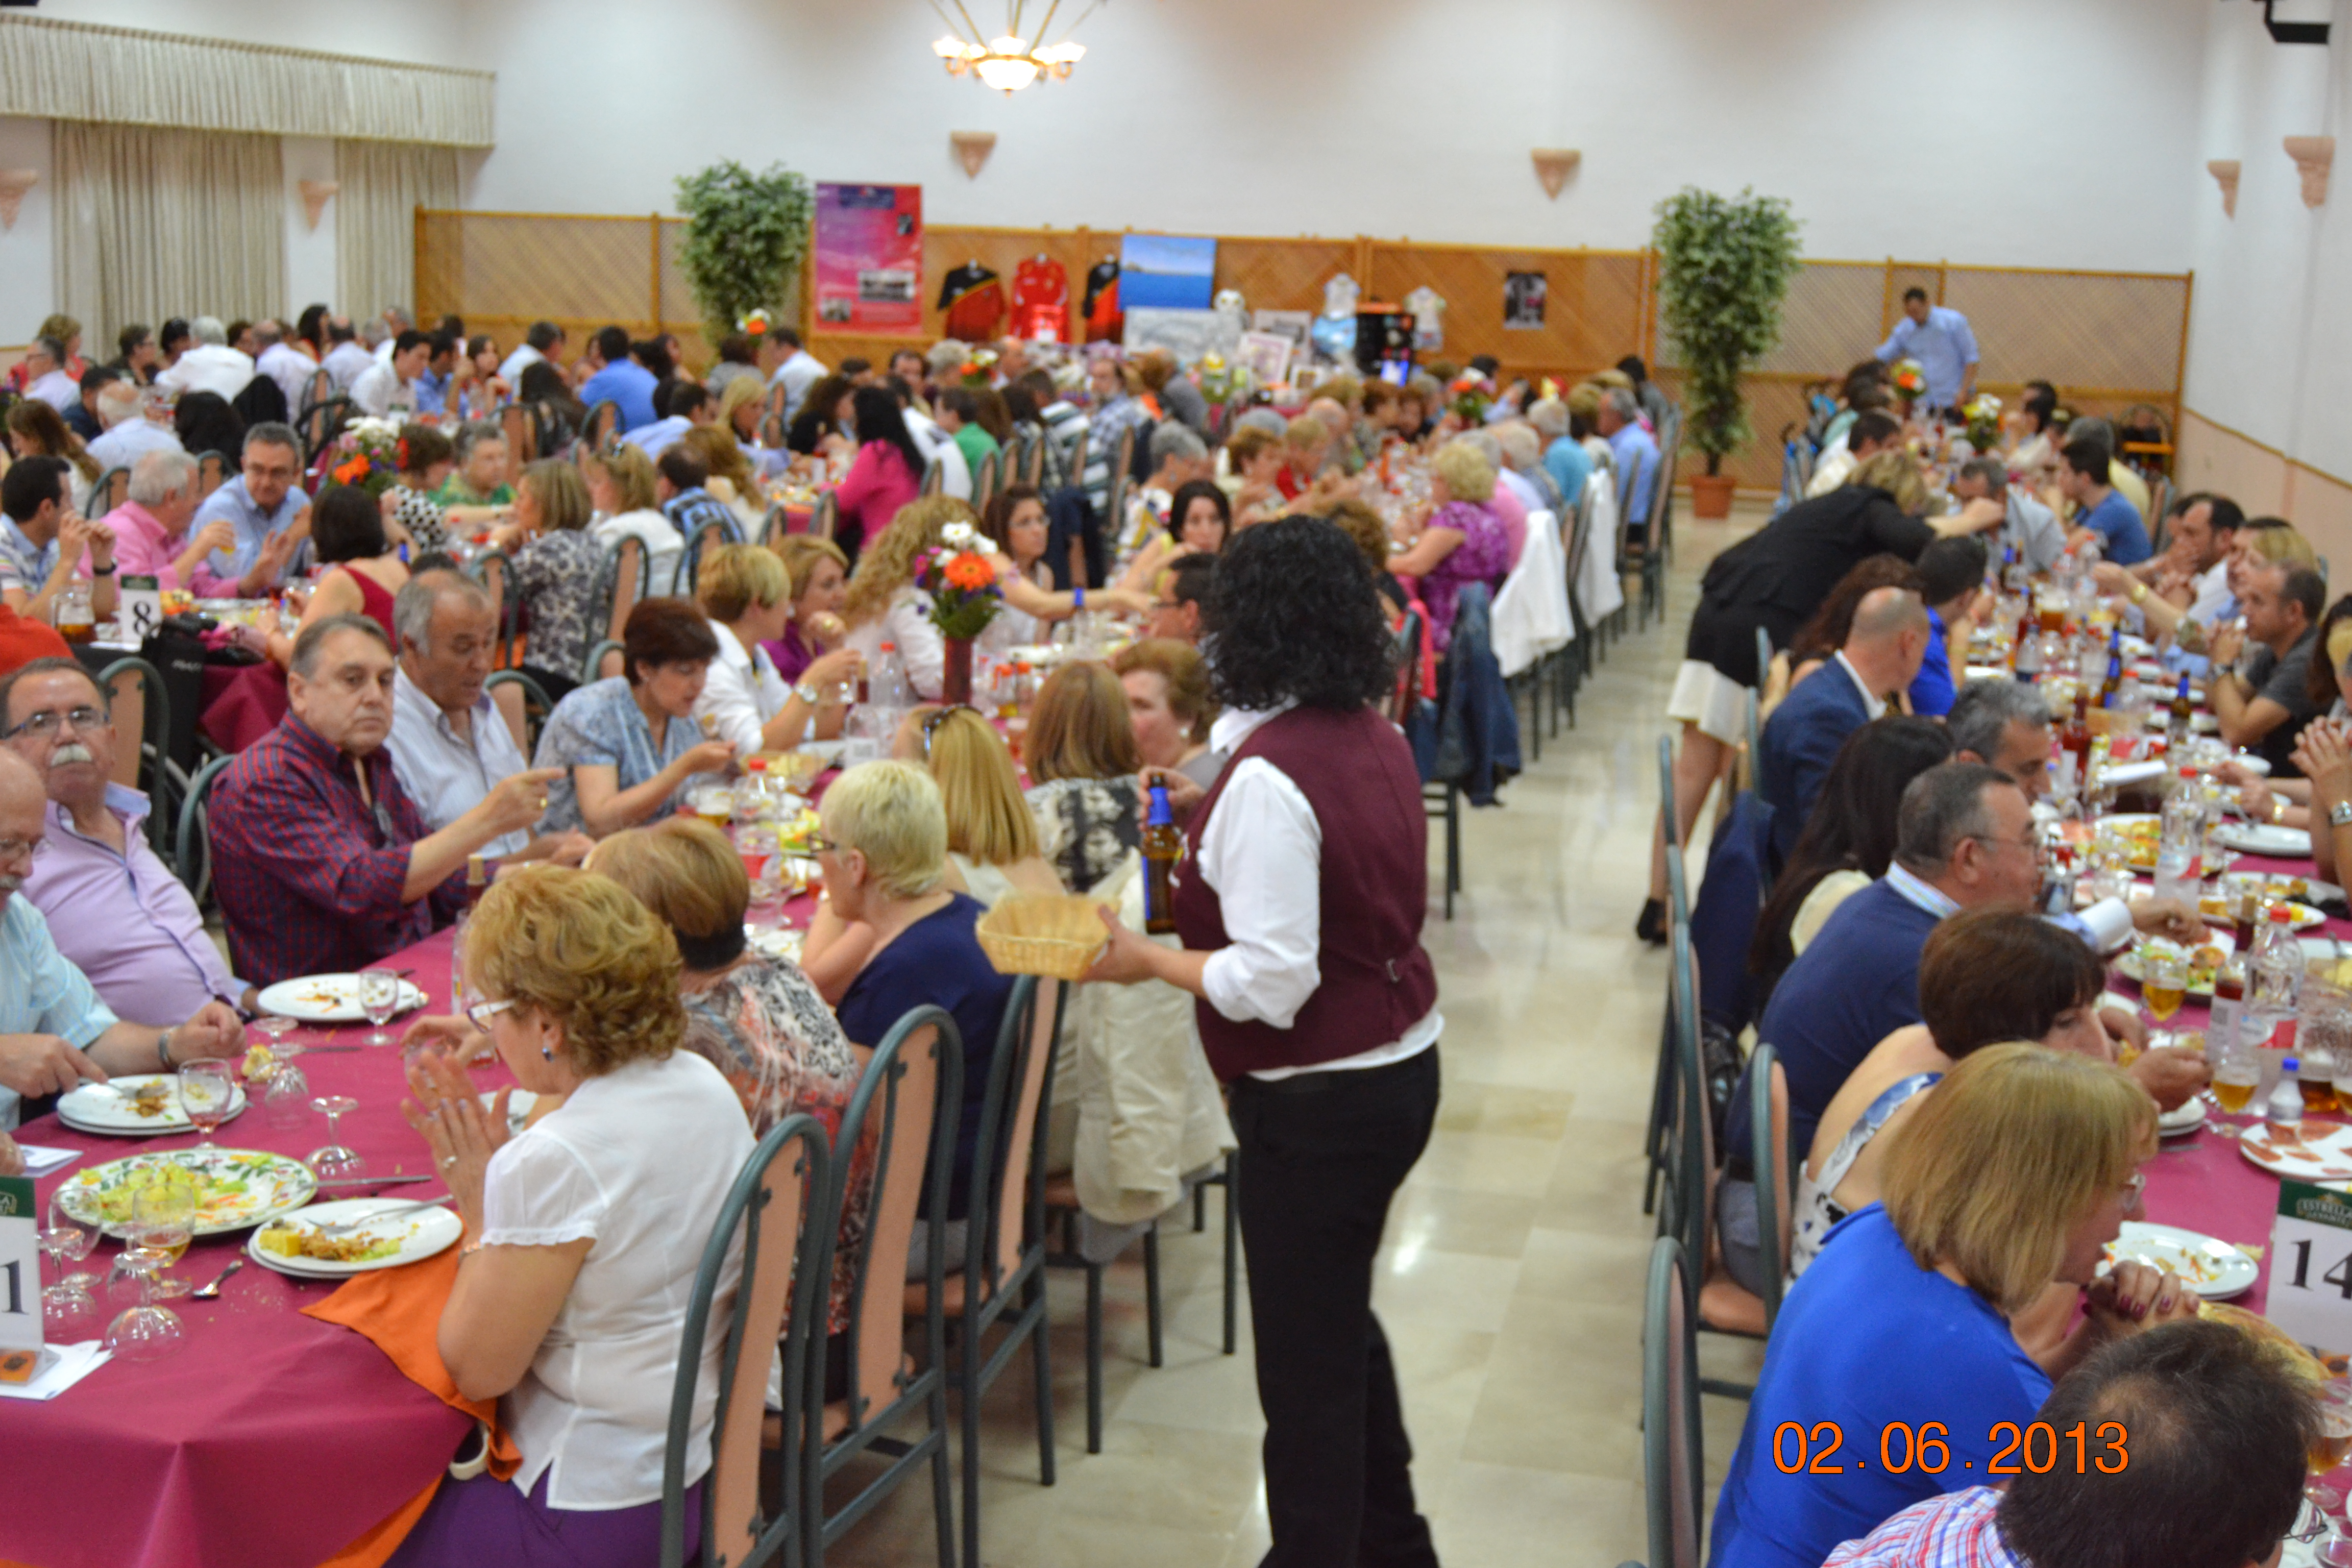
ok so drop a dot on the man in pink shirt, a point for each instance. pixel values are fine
(151, 528)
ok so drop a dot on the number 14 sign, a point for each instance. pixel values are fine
(2311, 1267)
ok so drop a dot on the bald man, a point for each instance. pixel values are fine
(1881, 658)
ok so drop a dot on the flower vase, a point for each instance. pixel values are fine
(955, 684)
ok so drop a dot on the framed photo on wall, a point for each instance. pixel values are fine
(1523, 301)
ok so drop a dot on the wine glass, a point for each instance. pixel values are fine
(2334, 1444)
(163, 1223)
(64, 1240)
(2164, 971)
(207, 1090)
(379, 999)
(286, 1103)
(275, 1027)
(146, 1332)
(334, 1160)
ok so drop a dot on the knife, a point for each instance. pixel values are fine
(372, 1181)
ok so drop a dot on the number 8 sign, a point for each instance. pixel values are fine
(2311, 1267)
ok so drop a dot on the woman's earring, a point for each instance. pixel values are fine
(548, 1052)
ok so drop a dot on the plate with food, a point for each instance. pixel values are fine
(2213, 1269)
(233, 1187)
(2220, 910)
(2320, 1153)
(2204, 962)
(2182, 1119)
(139, 1105)
(2138, 831)
(2265, 839)
(329, 999)
(296, 1244)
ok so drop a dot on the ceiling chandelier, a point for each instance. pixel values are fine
(1011, 60)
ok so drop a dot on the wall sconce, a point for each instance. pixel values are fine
(2312, 155)
(13, 183)
(2225, 175)
(315, 194)
(1553, 166)
(972, 149)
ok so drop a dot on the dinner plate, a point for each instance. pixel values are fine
(2280, 843)
(109, 1107)
(519, 1104)
(776, 941)
(329, 999)
(2184, 1118)
(2216, 908)
(2201, 980)
(2323, 1155)
(421, 1233)
(2213, 1269)
(234, 1187)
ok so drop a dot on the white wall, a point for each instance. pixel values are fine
(309, 253)
(28, 264)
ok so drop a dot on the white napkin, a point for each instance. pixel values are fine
(72, 1364)
(40, 1161)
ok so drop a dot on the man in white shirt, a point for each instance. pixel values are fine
(45, 375)
(209, 364)
(541, 344)
(285, 361)
(938, 447)
(1871, 433)
(689, 404)
(391, 385)
(800, 371)
(130, 434)
(451, 744)
(346, 360)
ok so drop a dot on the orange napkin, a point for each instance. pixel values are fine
(399, 1310)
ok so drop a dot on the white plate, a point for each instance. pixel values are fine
(97, 1107)
(236, 1187)
(519, 1104)
(2279, 843)
(423, 1232)
(2188, 1119)
(2214, 1269)
(329, 999)
(2323, 1156)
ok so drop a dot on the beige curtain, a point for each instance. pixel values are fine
(152, 224)
(383, 184)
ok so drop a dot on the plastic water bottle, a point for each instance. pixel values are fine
(2273, 984)
(2180, 849)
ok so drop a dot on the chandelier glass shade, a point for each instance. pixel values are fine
(1013, 59)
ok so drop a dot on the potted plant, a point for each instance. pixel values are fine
(1723, 268)
(745, 236)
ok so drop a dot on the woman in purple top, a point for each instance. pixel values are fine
(819, 574)
(1462, 542)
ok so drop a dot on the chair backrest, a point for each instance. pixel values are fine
(114, 488)
(625, 577)
(827, 512)
(152, 707)
(762, 1278)
(901, 1124)
(984, 479)
(606, 659)
(1768, 1110)
(603, 423)
(192, 844)
(771, 433)
(1671, 1457)
(523, 704)
(522, 433)
(1662, 480)
(1684, 1213)
(494, 570)
(1408, 656)
(689, 567)
(774, 527)
(1666, 792)
(321, 423)
(211, 472)
(1009, 1160)
(935, 477)
(317, 389)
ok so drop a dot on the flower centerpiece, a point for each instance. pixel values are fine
(1909, 379)
(978, 369)
(367, 454)
(1983, 414)
(1469, 395)
(959, 575)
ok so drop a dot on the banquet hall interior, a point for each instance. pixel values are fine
(1357, 780)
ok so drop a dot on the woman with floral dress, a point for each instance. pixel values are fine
(1081, 754)
(556, 570)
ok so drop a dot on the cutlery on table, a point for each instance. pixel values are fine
(373, 1181)
(212, 1292)
(344, 1227)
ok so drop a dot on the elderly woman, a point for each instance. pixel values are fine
(1502, 500)
(1082, 762)
(2013, 1175)
(819, 584)
(746, 592)
(1461, 539)
(629, 742)
(424, 455)
(478, 484)
(1168, 703)
(1254, 466)
(906, 940)
(572, 1287)
(992, 838)
(557, 571)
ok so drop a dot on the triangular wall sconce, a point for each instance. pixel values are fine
(2312, 155)
(13, 183)
(972, 149)
(315, 195)
(2225, 175)
(1553, 166)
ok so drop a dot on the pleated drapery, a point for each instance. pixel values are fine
(52, 69)
(152, 224)
(383, 184)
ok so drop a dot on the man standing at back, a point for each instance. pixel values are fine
(1881, 657)
(1939, 338)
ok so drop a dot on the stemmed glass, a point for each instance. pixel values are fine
(146, 1332)
(277, 1027)
(163, 1222)
(379, 999)
(2335, 1442)
(286, 1103)
(207, 1090)
(334, 1160)
(64, 1239)
(2164, 983)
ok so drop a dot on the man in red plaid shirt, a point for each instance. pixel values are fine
(322, 862)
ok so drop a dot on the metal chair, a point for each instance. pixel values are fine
(211, 472)
(1673, 1466)
(984, 479)
(827, 514)
(774, 528)
(905, 1112)
(192, 848)
(154, 738)
(527, 713)
(935, 477)
(1768, 1113)
(1657, 546)
(112, 489)
(625, 577)
(592, 667)
(321, 423)
(602, 426)
(1662, 1095)
(494, 570)
(521, 432)
(689, 565)
(777, 1222)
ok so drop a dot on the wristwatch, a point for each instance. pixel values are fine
(806, 693)
(2340, 814)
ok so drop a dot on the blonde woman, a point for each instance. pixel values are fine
(992, 838)
(746, 592)
(818, 576)
(557, 568)
(1460, 540)
(571, 1293)
(2013, 1175)
(620, 483)
(732, 481)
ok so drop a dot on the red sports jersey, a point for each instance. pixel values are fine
(1041, 301)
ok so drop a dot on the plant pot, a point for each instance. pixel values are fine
(955, 683)
(1711, 495)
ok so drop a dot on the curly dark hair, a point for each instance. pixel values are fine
(1292, 617)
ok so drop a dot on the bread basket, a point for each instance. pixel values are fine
(1058, 935)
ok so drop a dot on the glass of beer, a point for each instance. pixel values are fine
(2237, 1073)
(76, 622)
(2332, 1444)
(715, 804)
(2165, 982)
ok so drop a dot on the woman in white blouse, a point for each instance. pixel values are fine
(621, 488)
(747, 593)
(583, 1232)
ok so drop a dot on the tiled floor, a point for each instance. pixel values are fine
(1510, 1286)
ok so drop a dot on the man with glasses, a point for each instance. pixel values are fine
(55, 1032)
(1176, 608)
(115, 910)
(322, 862)
(265, 507)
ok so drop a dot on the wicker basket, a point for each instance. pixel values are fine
(1056, 935)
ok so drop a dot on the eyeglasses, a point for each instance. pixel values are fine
(2133, 1187)
(41, 726)
(12, 850)
(481, 1012)
(818, 844)
(2031, 846)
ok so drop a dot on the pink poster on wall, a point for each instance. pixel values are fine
(869, 260)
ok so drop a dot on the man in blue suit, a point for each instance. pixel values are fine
(1881, 658)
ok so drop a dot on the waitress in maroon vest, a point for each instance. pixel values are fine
(1299, 901)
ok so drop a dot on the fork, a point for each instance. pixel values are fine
(344, 1227)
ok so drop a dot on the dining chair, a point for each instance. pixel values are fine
(321, 423)
(1768, 1125)
(827, 515)
(523, 704)
(983, 480)
(138, 702)
(902, 1122)
(494, 570)
(1002, 1280)
(605, 660)
(1657, 546)
(935, 477)
(192, 848)
(1092, 1246)
(112, 489)
(774, 527)
(602, 426)
(1227, 1175)
(625, 576)
(689, 565)
(1588, 648)
(521, 432)
(1662, 1092)
(761, 1280)
(1673, 1469)
(211, 472)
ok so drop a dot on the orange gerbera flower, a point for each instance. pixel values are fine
(969, 572)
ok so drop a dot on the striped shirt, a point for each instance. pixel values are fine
(1958, 1529)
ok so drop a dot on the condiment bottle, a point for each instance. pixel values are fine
(2283, 1112)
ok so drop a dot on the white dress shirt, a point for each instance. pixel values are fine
(128, 442)
(664, 544)
(1871, 700)
(659, 436)
(2213, 595)
(209, 367)
(345, 363)
(797, 375)
(291, 369)
(511, 368)
(743, 691)
(1262, 851)
(637, 1160)
(379, 390)
(447, 776)
(908, 625)
(938, 446)
(56, 389)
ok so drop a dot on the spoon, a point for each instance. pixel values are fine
(212, 1292)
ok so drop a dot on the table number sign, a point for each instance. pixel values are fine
(20, 1270)
(2311, 1267)
(142, 607)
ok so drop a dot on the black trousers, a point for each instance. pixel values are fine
(1322, 1154)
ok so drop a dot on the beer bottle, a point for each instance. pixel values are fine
(1161, 844)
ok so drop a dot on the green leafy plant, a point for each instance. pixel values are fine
(745, 237)
(1725, 265)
